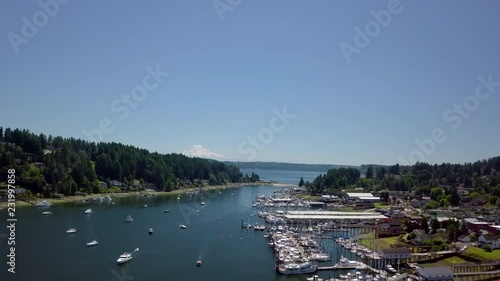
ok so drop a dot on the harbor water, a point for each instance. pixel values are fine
(44, 251)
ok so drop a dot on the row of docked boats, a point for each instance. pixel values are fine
(353, 276)
(356, 248)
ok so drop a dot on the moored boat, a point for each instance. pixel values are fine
(297, 268)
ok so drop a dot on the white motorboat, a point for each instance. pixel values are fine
(150, 231)
(314, 278)
(198, 263)
(178, 197)
(88, 211)
(129, 218)
(348, 264)
(182, 226)
(145, 206)
(47, 213)
(197, 211)
(390, 268)
(319, 257)
(202, 203)
(125, 257)
(167, 211)
(297, 269)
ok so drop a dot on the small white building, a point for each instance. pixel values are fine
(437, 273)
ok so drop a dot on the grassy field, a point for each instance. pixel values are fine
(445, 262)
(379, 205)
(376, 244)
(481, 254)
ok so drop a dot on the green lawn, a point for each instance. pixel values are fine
(444, 262)
(379, 205)
(481, 254)
(380, 243)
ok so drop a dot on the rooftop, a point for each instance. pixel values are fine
(359, 194)
(436, 271)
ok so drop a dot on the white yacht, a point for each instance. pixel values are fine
(314, 278)
(319, 257)
(125, 257)
(297, 268)
(47, 213)
(202, 203)
(182, 226)
(88, 211)
(150, 231)
(129, 218)
(390, 268)
(348, 264)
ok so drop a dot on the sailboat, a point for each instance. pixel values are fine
(129, 219)
(70, 229)
(92, 240)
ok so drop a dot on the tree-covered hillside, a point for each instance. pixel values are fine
(481, 179)
(55, 165)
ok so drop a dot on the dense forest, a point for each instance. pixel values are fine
(48, 165)
(440, 182)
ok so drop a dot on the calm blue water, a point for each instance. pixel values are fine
(45, 252)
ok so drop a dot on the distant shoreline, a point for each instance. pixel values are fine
(80, 198)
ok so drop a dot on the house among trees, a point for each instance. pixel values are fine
(492, 241)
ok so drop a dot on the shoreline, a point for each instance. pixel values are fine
(81, 198)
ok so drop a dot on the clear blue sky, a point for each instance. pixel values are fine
(227, 76)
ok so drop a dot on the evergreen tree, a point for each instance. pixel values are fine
(301, 182)
(369, 172)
